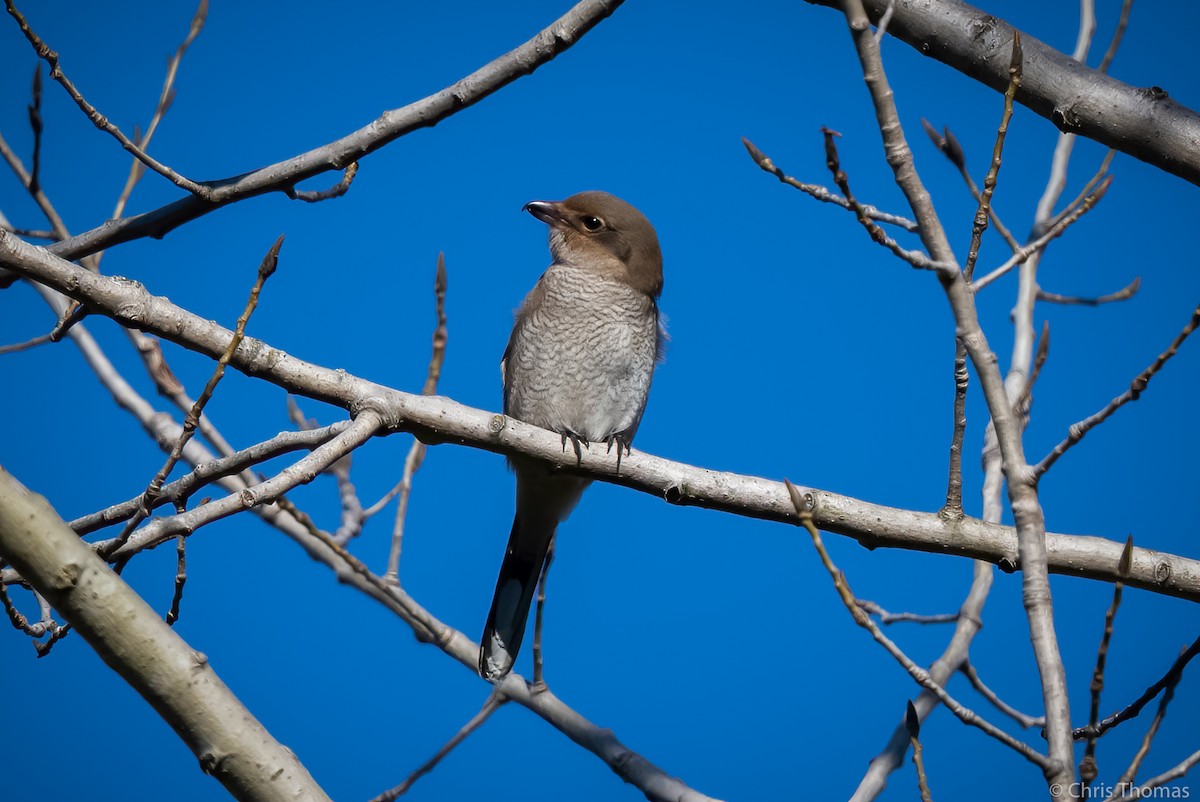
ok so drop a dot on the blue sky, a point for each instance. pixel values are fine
(799, 349)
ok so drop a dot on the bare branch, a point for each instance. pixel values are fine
(821, 193)
(1087, 765)
(438, 419)
(803, 511)
(336, 191)
(1035, 247)
(205, 473)
(180, 578)
(949, 146)
(165, 98)
(538, 679)
(989, 181)
(416, 453)
(1130, 773)
(886, 617)
(265, 269)
(1136, 388)
(35, 124)
(1026, 721)
(1123, 294)
(130, 637)
(491, 705)
(1143, 122)
(99, 120)
(339, 154)
(1115, 44)
(914, 258)
(35, 191)
(969, 621)
(303, 471)
(1022, 490)
(1169, 679)
(1023, 403)
(913, 722)
(1101, 172)
(1145, 790)
(30, 233)
(954, 505)
(33, 342)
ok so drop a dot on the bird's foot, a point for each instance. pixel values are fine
(622, 442)
(575, 441)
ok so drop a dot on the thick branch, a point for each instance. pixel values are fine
(438, 419)
(131, 638)
(339, 154)
(1022, 491)
(1143, 122)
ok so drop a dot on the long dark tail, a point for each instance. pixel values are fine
(523, 560)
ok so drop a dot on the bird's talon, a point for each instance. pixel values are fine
(575, 443)
(622, 442)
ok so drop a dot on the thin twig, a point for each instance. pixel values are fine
(31, 233)
(165, 97)
(881, 27)
(1130, 773)
(803, 511)
(1025, 720)
(914, 258)
(950, 147)
(1023, 403)
(556, 38)
(336, 191)
(365, 425)
(35, 124)
(416, 454)
(1123, 294)
(821, 193)
(1136, 387)
(353, 515)
(45, 626)
(17, 618)
(953, 506)
(1036, 246)
(1101, 172)
(886, 617)
(493, 703)
(1057, 180)
(39, 197)
(538, 616)
(352, 518)
(989, 181)
(1146, 789)
(265, 269)
(205, 473)
(41, 339)
(913, 722)
(99, 120)
(1118, 34)
(1170, 678)
(1087, 765)
(180, 578)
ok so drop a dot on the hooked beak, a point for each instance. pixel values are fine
(549, 212)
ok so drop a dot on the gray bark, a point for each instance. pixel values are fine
(1142, 122)
(135, 642)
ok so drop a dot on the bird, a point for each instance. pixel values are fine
(579, 362)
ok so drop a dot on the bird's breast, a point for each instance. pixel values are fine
(582, 355)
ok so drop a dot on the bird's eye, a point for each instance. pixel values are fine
(592, 223)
